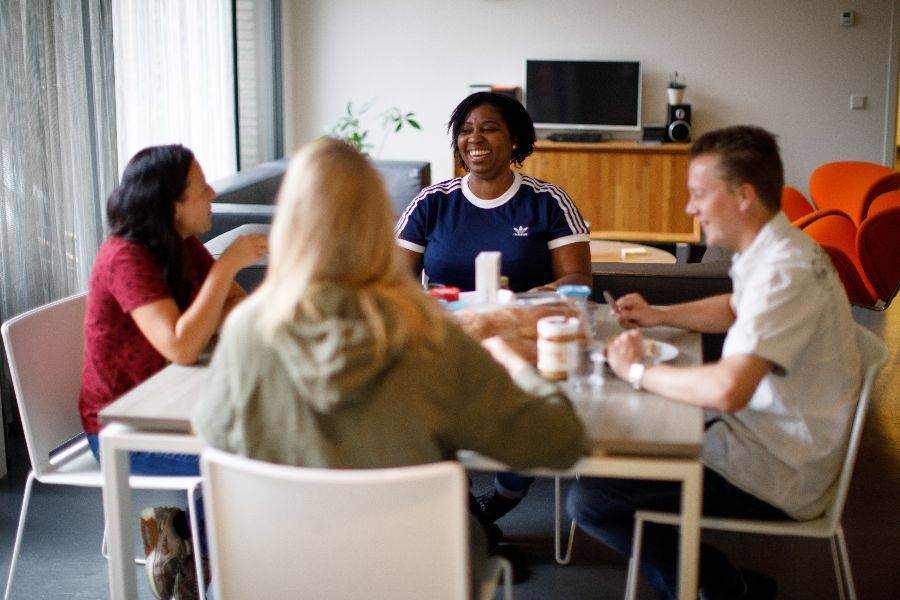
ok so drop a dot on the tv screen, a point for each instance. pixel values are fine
(584, 94)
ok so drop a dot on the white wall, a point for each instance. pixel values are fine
(785, 65)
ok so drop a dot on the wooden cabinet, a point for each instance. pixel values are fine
(627, 190)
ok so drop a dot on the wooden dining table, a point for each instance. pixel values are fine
(635, 435)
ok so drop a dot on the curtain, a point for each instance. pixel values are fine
(175, 79)
(57, 150)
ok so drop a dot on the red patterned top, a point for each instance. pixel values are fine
(117, 356)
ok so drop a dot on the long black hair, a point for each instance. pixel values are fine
(518, 122)
(142, 209)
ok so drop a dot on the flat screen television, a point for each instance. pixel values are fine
(584, 94)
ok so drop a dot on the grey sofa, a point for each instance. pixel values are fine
(249, 196)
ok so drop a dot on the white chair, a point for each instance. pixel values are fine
(828, 526)
(339, 533)
(44, 347)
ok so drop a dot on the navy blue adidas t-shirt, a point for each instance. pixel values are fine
(450, 226)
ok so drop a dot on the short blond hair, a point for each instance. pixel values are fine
(334, 225)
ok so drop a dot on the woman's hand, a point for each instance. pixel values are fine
(624, 351)
(504, 354)
(633, 311)
(245, 250)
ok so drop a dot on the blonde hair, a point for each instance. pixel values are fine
(333, 224)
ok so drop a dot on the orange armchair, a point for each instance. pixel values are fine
(836, 233)
(794, 203)
(883, 202)
(851, 186)
(878, 247)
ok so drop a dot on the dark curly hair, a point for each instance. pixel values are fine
(518, 121)
(747, 154)
(142, 210)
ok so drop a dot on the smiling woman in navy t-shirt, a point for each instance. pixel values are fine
(543, 238)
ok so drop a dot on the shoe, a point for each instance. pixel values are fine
(494, 537)
(164, 549)
(186, 578)
(494, 505)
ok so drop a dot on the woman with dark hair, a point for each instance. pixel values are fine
(157, 296)
(542, 237)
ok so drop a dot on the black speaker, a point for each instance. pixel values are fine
(678, 123)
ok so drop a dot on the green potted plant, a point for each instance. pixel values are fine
(350, 127)
(676, 88)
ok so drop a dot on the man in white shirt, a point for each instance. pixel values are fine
(780, 400)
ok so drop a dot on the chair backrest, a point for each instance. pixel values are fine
(45, 348)
(851, 185)
(873, 355)
(883, 202)
(878, 246)
(794, 203)
(280, 531)
(836, 233)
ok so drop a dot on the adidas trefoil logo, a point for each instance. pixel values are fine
(520, 231)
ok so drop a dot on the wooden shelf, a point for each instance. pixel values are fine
(627, 190)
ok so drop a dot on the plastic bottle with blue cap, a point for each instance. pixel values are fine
(582, 368)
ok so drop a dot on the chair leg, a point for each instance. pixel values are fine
(104, 549)
(845, 564)
(193, 496)
(563, 560)
(17, 546)
(507, 580)
(499, 573)
(838, 568)
(634, 563)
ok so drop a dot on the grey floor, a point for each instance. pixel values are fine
(61, 559)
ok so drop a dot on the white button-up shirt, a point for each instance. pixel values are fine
(787, 444)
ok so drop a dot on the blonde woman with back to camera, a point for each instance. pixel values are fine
(339, 360)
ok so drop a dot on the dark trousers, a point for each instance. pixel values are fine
(604, 508)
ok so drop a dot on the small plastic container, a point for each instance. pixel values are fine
(557, 346)
(580, 369)
(443, 292)
(577, 296)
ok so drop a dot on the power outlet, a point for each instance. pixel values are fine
(848, 18)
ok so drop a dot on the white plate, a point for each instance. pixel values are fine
(659, 351)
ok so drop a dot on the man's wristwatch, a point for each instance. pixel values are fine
(635, 374)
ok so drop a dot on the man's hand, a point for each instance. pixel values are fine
(633, 311)
(624, 351)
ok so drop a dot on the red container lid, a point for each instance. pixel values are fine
(450, 294)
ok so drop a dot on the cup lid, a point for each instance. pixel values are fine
(574, 291)
(557, 325)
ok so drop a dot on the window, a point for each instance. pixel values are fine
(199, 73)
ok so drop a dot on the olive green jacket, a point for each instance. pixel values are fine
(318, 395)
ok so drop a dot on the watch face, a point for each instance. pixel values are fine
(635, 373)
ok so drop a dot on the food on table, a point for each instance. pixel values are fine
(517, 325)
